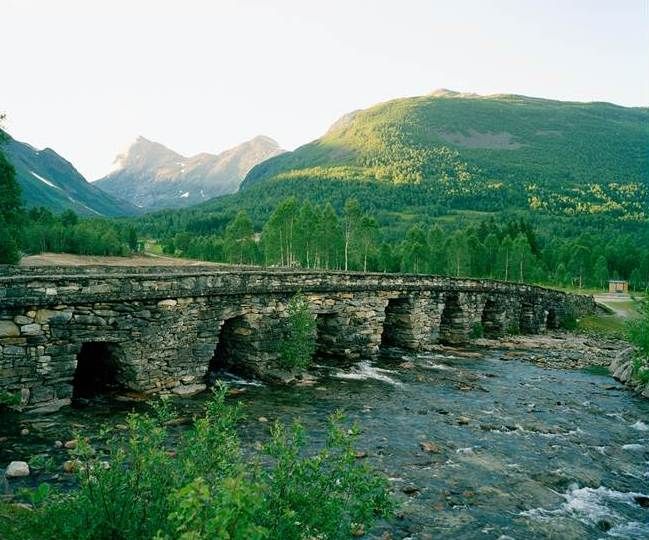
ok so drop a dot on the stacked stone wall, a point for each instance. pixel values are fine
(165, 327)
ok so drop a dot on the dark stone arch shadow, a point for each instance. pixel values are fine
(100, 369)
(231, 345)
(552, 319)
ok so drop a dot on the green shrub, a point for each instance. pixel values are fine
(638, 331)
(641, 369)
(638, 334)
(148, 485)
(477, 331)
(7, 399)
(568, 319)
(299, 340)
(512, 329)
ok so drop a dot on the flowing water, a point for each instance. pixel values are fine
(519, 451)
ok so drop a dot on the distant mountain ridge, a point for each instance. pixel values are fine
(47, 179)
(153, 176)
(481, 152)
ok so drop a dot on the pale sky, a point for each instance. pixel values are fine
(86, 77)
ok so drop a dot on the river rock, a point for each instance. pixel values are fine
(430, 447)
(71, 445)
(642, 501)
(189, 389)
(410, 489)
(622, 369)
(71, 465)
(17, 469)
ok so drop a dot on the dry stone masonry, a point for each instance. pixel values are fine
(69, 332)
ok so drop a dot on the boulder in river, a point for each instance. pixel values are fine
(642, 500)
(430, 447)
(17, 469)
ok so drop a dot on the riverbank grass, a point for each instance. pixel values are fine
(638, 334)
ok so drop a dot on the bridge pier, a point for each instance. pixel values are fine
(348, 325)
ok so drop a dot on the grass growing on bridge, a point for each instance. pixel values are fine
(204, 488)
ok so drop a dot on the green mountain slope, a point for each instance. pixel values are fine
(482, 153)
(48, 180)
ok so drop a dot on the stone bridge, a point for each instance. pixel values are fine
(67, 332)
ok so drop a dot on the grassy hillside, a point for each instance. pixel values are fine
(48, 180)
(485, 153)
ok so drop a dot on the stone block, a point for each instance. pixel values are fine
(33, 329)
(9, 329)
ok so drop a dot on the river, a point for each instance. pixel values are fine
(475, 445)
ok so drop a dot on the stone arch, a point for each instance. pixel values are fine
(231, 346)
(551, 319)
(493, 319)
(397, 326)
(99, 370)
(452, 324)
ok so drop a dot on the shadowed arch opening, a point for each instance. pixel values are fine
(397, 326)
(452, 328)
(551, 320)
(230, 344)
(97, 371)
(327, 329)
(492, 319)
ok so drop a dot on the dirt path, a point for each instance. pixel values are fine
(66, 259)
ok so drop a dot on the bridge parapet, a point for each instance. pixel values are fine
(153, 330)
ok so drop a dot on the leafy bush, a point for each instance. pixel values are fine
(569, 319)
(144, 488)
(477, 331)
(7, 399)
(638, 334)
(638, 331)
(299, 341)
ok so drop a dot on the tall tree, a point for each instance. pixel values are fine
(600, 272)
(306, 229)
(278, 233)
(521, 256)
(367, 233)
(414, 251)
(351, 221)
(239, 242)
(459, 258)
(330, 238)
(437, 261)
